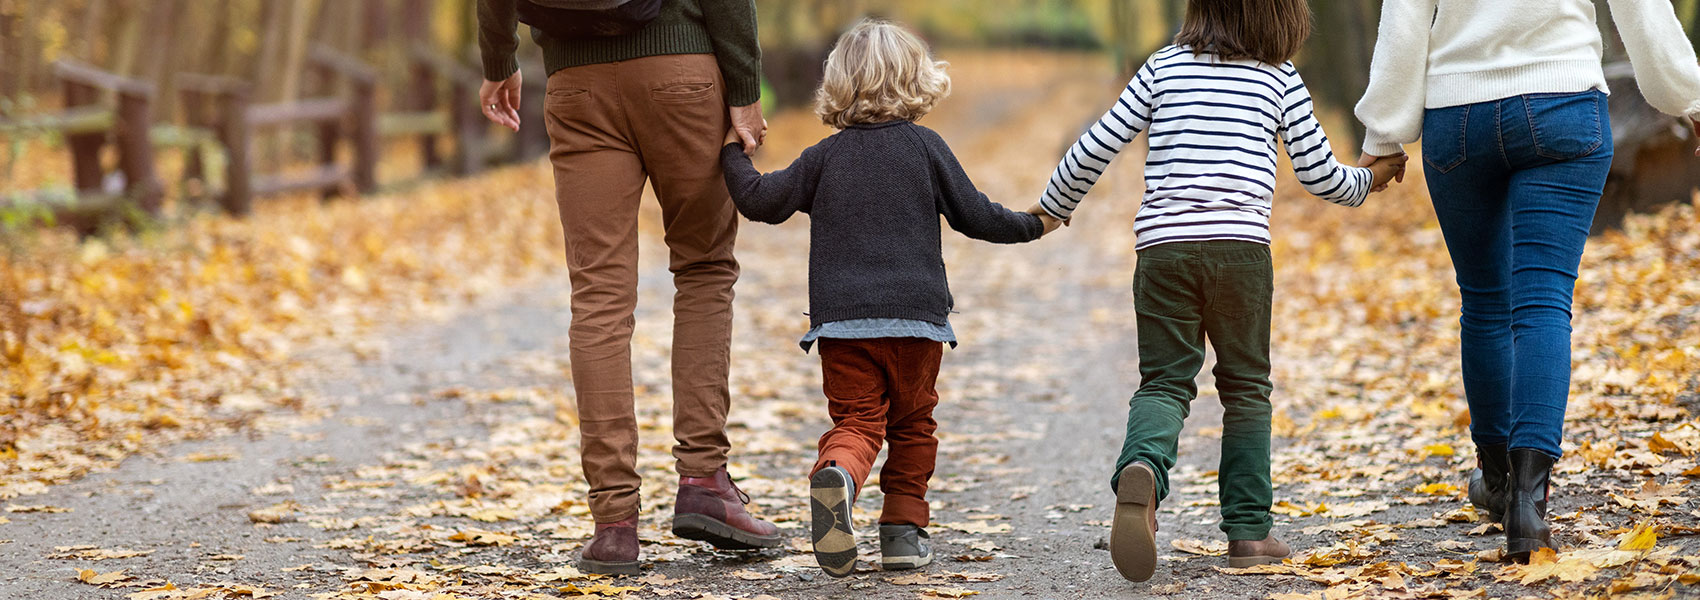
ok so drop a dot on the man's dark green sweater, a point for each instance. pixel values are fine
(724, 28)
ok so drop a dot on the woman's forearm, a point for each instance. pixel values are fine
(1392, 107)
(1665, 66)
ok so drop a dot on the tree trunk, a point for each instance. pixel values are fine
(159, 48)
(1174, 11)
(376, 19)
(130, 42)
(8, 55)
(220, 55)
(294, 56)
(274, 14)
(1341, 50)
(25, 51)
(90, 31)
(466, 35)
(1608, 31)
(1691, 9)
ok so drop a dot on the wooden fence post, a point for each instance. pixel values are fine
(467, 121)
(329, 131)
(424, 88)
(195, 115)
(135, 150)
(85, 146)
(532, 140)
(236, 135)
(362, 111)
(365, 133)
(465, 118)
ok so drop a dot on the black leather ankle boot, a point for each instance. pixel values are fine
(1490, 482)
(1526, 515)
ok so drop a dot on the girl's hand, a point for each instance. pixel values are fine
(1387, 169)
(1696, 125)
(732, 137)
(1051, 223)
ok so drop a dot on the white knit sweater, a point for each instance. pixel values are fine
(1440, 53)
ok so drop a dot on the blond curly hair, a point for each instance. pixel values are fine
(879, 72)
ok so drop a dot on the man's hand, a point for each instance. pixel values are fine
(751, 128)
(500, 100)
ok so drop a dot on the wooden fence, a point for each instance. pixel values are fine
(87, 125)
(221, 123)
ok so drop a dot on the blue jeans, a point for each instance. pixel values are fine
(1515, 183)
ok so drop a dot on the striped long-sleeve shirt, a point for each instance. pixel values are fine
(1213, 126)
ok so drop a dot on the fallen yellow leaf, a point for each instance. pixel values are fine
(92, 578)
(1641, 538)
(1200, 547)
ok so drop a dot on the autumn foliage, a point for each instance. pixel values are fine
(122, 344)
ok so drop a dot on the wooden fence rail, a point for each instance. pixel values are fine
(430, 71)
(221, 105)
(87, 124)
(221, 121)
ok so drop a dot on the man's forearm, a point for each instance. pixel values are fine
(498, 38)
(732, 27)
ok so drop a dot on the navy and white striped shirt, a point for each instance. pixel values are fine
(1213, 127)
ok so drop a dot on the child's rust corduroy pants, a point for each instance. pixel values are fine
(882, 390)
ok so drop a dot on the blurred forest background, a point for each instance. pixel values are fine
(266, 41)
(274, 46)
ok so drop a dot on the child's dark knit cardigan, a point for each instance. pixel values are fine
(873, 194)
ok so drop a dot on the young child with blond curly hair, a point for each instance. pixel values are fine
(878, 298)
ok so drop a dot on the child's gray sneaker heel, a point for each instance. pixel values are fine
(904, 547)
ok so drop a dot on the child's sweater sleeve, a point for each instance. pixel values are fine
(1087, 158)
(1313, 158)
(774, 197)
(966, 209)
(1392, 107)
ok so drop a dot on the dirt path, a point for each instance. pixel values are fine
(446, 462)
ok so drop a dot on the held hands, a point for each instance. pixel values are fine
(1696, 125)
(1386, 170)
(748, 127)
(1051, 223)
(499, 100)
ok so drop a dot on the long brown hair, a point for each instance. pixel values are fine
(1270, 31)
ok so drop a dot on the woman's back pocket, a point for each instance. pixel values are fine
(1444, 136)
(1566, 126)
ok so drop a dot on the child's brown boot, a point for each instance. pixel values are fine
(1250, 553)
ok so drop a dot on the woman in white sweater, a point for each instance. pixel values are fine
(1509, 99)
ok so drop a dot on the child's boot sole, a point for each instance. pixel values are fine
(1133, 541)
(829, 504)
